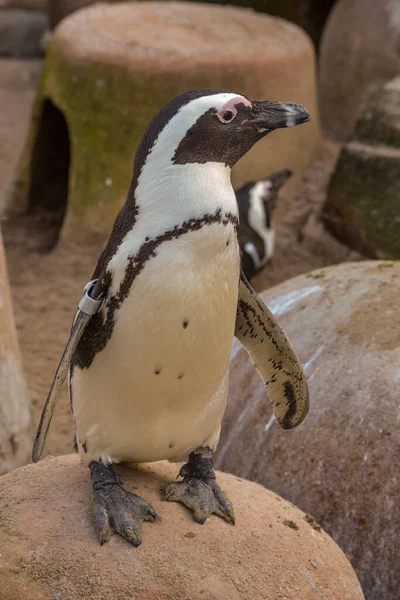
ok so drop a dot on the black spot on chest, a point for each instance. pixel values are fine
(100, 328)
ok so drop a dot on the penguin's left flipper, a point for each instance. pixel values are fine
(78, 328)
(88, 306)
(273, 356)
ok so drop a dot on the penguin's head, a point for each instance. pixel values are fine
(257, 202)
(216, 126)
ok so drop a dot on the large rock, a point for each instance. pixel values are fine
(359, 53)
(363, 201)
(15, 416)
(49, 547)
(341, 465)
(110, 68)
(310, 15)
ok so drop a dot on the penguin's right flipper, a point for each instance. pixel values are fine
(87, 308)
(273, 356)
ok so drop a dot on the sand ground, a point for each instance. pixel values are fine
(47, 287)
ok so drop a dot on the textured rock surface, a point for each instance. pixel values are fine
(363, 201)
(15, 416)
(341, 464)
(109, 74)
(310, 15)
(359, 53)
(49, 548)
(21, 32)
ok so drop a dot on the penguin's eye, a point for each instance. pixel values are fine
(226, 116)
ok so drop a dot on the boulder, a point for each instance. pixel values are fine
(341, 464)
(310, 15)
(362, 207)
(359, 52)
(110, 68)
(15, 417)
(50, 550)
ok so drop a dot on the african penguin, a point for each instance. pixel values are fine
(149, 377)
(256, 201)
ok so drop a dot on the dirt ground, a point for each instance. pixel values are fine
(47, 287)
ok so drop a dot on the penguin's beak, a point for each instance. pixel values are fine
(267, 116)
(278, 178)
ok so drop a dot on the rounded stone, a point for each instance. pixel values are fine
(310, 16)
(50, 550)
(110, 68)
(356, 59)
(362, 204)
(341, 464)
(15, 415)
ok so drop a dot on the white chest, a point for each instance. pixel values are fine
(158, 389)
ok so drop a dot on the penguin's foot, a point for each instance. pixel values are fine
(116, 509)
(199, 491)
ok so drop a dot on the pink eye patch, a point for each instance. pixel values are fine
(229, 111)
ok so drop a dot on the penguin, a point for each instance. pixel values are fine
(257, 201)
(148, 364)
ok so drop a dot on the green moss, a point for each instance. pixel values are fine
(106, 111)
(362, 207)
(106, 115)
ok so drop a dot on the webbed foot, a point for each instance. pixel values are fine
(116, 509)
(199, 491)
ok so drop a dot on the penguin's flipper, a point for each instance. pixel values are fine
(78, 328)
(273, 356)
(88, 306)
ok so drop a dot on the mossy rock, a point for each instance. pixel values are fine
(363, 201)
(106, 75)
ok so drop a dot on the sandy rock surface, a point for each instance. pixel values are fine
(341, 464)
(49, 549)
(128, 60)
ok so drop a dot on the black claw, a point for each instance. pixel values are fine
(152, 515)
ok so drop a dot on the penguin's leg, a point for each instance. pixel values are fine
(199, 491)
(116, 509)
